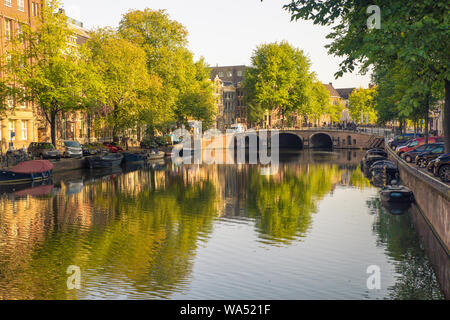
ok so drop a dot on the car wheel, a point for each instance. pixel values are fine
(422, 163)
(444, 173)
(400, 154)
(408, 159)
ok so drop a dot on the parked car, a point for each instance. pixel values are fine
(442, 167)
(44, 150)
(113, 147)
(411, 155)
(402, 140)
(423, 159)
(72, 149)
(93, 149)
(416, 143)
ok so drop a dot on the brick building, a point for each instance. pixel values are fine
(232, 108)
(18, 124)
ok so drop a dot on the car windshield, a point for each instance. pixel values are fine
(72, 144)
(422, 148)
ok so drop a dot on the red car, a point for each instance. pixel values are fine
(112, 147)
(417, 143)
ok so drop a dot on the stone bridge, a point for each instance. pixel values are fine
(330, 139)
(302, 139)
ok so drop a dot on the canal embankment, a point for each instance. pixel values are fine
(432, 197)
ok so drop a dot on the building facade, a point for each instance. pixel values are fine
(228, 82)
(18, 125)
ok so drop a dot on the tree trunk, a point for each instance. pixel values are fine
(427, 119)
(53, 127)
(446, 121)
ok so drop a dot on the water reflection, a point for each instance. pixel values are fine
(416, 280)
(135, 232)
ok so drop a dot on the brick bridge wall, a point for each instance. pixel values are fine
(339, 139)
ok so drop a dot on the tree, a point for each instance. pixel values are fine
(364, 101)
(129, 91)
(416, 33)
(320, 102)
(54, 72)
(278, 79)
(186, 91)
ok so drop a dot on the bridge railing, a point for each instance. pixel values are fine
(382, 132)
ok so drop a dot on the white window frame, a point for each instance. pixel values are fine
(8, 3)
(21, 5)
(24, 130)
(8, 27)
(10, 102)
(12, 128)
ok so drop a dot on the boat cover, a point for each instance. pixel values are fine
(31, 167)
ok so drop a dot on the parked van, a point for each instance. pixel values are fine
(416, 143)
(72, 149)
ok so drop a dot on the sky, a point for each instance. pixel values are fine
(226, 32)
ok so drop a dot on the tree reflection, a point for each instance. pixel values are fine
(283, 205)
(147, 237)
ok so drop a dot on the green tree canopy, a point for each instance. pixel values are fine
(363, 101)
(129, 91)
(278, 79)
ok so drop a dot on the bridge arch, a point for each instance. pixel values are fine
(290, 141)
(321, 141)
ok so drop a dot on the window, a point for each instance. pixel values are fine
(239, 73)
(24, 129)
(23, 103)
(8, 29)
(230, 73)
(12, 130)
(10, 102)
(8, 3)
(221, 74)
(21, 5)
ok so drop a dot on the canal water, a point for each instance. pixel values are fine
(165, 231)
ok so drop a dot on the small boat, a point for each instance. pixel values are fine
(133, 157)
(27, 171)
(107, 161)
(156, 155)
(384, 168)
(397, 193)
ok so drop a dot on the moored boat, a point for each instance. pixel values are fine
(133, 157)
(156, 155)
(106, 161)
(397, 193)
(27, 171)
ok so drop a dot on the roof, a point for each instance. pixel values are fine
(345, 92)
(332, 90)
